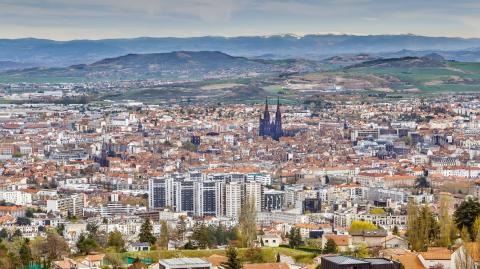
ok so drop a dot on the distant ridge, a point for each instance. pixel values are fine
(172, 66)
(65, 53)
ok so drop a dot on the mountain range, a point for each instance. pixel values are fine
(50, 53)
(172, 66)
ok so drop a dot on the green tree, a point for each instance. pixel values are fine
(115, 240)
(247, 223)
(86, 244)
(3, 233)
(164, 235)
(466, 214)
(395, 230)
(294, 238)
(25, 254)
(233, 261)
(330, 246)
(253, 255)
(146, 233)
(202, 235)
(422, 182)
(92, 229)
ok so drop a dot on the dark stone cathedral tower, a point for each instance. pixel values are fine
(271, 128)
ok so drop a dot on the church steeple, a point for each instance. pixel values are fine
(271, 128)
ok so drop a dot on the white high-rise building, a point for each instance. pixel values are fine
(233, 199)
(254, 192)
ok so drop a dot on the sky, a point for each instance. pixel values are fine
(99, 19)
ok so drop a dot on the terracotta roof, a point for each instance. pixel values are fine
(340, 240)
(437, 253)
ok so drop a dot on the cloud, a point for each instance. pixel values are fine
(116, 18)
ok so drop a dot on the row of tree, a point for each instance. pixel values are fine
(425, 228)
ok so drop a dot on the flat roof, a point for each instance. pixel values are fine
(184, 262)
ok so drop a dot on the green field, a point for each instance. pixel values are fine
(268, 254)
(455, 77)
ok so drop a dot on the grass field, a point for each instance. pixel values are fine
(455, 77)
(268, 254)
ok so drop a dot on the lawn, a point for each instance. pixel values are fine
(269, 254)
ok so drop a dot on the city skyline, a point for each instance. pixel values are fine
(67, 20)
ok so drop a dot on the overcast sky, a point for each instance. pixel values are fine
(97, 19)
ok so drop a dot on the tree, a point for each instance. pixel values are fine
(202, 235)
(189, 146)
(233, 261)
(466, 214)
(86, 244)
(25, 255)
(361, 251)
(181, 227)
(445, 221)
(330, 246)
(422, 182)
(253, 255)
(23, 221)
(294, 237)
(52, 247)
(146, 233)
(360, 225)
(476, 229)
(377, 211)
(17, 233)
(164, 236)
(422, 227)
(247, 223)
(115, 240)
(3, 233)
(92, 230)
(465, 235)
(114, 259)
(395, 230)
(29, 213)
(60, 228)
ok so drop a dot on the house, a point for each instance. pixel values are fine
(374, 238)
(270, 240)
(346, 262)
(139, 246)
(436, 256)
(407, 258)
(67, 263)
(394, 241)
(344, 242)
(94, 261)
(184, 263)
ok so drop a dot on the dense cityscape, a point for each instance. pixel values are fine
(239, 134)
(388, 181)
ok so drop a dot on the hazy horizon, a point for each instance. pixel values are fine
(106, 19)
(238, 36)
